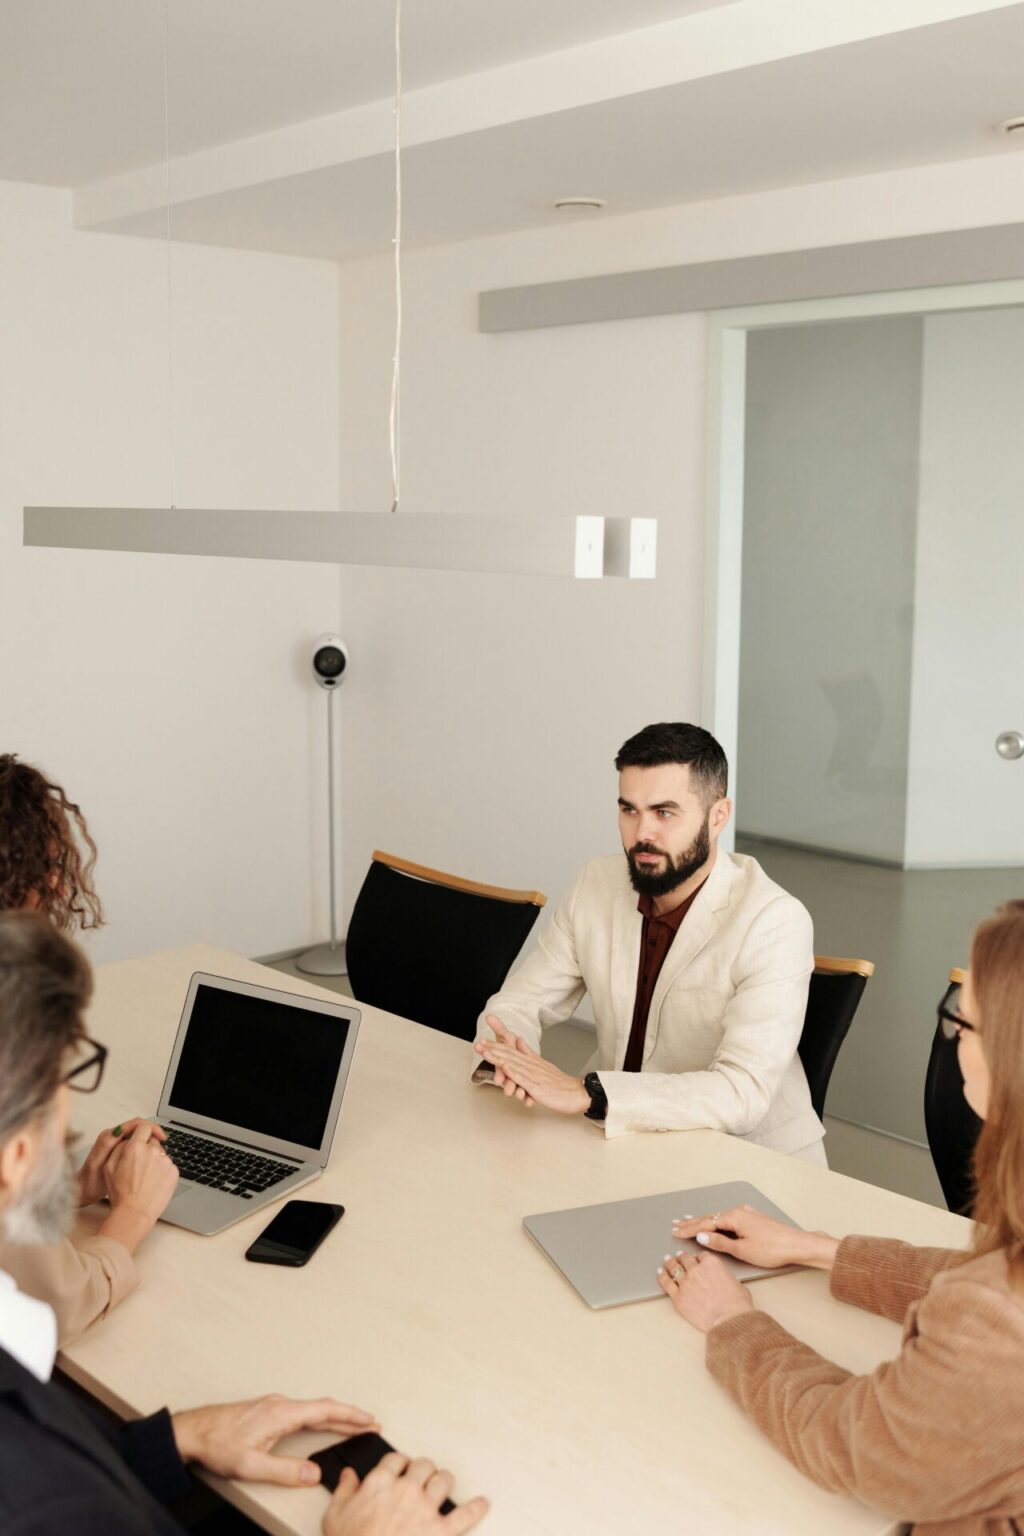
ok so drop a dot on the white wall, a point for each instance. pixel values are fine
(829, 519)
(483, 712)
(965, 804)
(168, 695)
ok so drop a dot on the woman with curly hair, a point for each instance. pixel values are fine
(46, 863)
(46, 853)
(936, 1436)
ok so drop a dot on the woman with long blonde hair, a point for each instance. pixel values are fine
(936, 1436)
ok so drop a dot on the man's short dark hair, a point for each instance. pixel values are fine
(674, 742)
(45, 985)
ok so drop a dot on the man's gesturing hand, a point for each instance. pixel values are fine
(505, 1037)
(238, 1439)
(529, 1076)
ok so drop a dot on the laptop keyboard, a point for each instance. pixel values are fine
(221, 1166)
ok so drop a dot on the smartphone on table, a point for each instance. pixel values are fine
(295, 1233)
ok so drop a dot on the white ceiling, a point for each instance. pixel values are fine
(81, 81)
(904, 100)
(909, 96)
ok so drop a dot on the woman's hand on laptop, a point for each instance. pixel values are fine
(757, 1239)
(238, 1439)
(91, 1185)
(399, 1498)
(139, 1179)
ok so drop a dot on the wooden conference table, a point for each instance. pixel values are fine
(430, 1306)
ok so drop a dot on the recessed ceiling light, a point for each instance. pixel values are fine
(1011, 125)
(579, 204)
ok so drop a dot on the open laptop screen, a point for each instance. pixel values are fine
(264, 1066)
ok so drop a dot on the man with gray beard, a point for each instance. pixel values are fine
(58, 1472)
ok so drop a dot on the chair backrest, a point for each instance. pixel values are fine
(837, 986)
(432, 946)
(950, 1122)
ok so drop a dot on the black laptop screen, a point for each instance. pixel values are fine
(266, 1066)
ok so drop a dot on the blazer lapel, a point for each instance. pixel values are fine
(699, 925)
(627, 926)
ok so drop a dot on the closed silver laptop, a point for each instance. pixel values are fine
(252, 1097)
(611, 1254)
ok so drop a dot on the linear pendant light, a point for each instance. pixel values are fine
(587, 547)
(584, 546)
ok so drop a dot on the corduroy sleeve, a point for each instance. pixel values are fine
(883, 1275)
(896, 1438)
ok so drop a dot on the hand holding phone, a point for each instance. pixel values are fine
(361, 1453)
(295, 1233)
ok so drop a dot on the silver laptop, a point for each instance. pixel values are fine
(251, 1098)
(611, 1254)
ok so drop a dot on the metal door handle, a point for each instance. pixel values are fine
(1010, 745)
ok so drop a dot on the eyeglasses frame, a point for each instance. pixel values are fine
(947, 1017)
(99, 1055)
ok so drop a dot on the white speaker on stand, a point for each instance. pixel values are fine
(330, 662)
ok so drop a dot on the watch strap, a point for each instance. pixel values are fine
(598, 1098)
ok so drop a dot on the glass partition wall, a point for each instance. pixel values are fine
(881, 635)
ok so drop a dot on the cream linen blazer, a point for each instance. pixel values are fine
(725, 1017)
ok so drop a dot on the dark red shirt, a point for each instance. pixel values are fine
(655, 943)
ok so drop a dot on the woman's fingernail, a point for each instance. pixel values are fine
(703, 1239)
(310, 1472)
(118, 1130)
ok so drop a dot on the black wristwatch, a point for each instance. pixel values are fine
(598, 1098)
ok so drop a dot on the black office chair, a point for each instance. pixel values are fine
(431, 946)
(836, 989)
(950, 1122)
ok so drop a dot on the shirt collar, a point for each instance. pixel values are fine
(28, 1329)
(673, 919)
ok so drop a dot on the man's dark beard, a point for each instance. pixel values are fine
(675, 875)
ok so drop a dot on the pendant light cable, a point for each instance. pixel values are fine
(167, 246)
(396, 367)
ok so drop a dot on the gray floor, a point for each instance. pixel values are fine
(863, 1154)
(915, 925)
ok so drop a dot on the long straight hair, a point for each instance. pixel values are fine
(997, 980)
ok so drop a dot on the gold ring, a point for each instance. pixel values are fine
(714, 1219)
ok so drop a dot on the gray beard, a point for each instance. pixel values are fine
(45, 1209)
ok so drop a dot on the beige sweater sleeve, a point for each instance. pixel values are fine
(81, 1280)
(896, 1438)
(884, 1275)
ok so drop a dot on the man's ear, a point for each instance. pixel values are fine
(720, 813)
(18, 1156)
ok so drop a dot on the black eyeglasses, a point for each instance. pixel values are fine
(951, 1021)
(85, 1075)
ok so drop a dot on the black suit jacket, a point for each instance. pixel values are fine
(60, 1474)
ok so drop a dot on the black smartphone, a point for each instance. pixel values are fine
(361, 1453)
(295, 1233)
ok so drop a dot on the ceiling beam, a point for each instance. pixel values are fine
(739, 36)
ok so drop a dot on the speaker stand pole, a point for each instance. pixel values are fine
(327, 959)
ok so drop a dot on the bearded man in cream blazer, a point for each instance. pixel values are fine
(696, 963)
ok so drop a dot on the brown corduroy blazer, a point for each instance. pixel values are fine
(934, 1437)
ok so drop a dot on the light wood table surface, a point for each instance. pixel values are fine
(430, 1306)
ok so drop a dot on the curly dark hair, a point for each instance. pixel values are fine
(46, 853)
